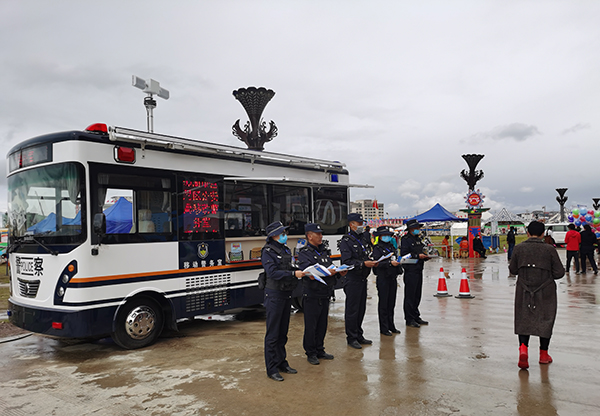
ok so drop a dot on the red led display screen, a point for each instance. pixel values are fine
(30, 156)
(200, 207)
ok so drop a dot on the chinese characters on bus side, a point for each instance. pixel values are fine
(200, 207)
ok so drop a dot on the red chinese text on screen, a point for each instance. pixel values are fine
(200, 207)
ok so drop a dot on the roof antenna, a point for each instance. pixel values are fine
(150, 87)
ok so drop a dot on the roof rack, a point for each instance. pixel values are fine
(171, 142)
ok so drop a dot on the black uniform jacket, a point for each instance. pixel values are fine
(385, 268)
(276, 259)
(354, 253)
(411, 244)
(309, 255)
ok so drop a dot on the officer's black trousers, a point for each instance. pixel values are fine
(387, 287)
(356, 306)
(413, 288)
(278, 307)
(316, 310)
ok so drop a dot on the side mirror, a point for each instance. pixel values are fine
(100, 225)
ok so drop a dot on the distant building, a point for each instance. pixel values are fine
(369, 208)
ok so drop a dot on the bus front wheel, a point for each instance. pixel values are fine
(138, 323)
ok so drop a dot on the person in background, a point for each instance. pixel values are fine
(464, 245)
(282, 279)
(588, 244)
(548, 238)
(478, 246)
(387, 272)
(413, 273)
(446, 246)
(572, 241)
(537, 266)
(510, 240)
(354, 253)
(316, 294)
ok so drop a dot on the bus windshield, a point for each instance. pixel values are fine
(48, 202)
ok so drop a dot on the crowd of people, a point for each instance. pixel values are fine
(536, 264)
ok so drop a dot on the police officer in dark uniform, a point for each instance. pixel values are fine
(282, 278)
(413, 273)
(316, 294)
(354, 253)
(387, 272)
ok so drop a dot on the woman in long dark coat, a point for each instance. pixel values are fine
(537, 265)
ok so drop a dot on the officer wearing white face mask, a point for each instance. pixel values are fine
(282, 279)
(413, 273)
(354, 253)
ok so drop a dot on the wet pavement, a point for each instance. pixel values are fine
(463, 363)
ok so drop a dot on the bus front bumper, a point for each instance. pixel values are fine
(92, 323)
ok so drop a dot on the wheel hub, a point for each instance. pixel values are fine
(140, 322)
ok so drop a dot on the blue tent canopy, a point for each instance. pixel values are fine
(49, 223)
(119, 217)
(436, 214)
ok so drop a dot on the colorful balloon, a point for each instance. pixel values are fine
(596, 222)
(591, 212)
(577, 223)
(588, 217)
(575, 215)
(570, 218)
(597, 214)
(598, 235)
(576, 212)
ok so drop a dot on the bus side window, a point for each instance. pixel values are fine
(137, 204)
(118, 210)
(153, 213)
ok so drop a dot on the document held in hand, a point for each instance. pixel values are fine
(407, 260)
(386, 256)
(317, 271)
(342, 268)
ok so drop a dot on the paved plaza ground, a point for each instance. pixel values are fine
(463, 363)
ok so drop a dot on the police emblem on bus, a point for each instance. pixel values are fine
(203, 250)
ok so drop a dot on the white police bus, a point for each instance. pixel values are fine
(120, 232)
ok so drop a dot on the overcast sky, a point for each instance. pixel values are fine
(398, 90)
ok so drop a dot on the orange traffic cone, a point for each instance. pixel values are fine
(442, 290)
(464, 292)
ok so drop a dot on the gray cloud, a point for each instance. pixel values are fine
(516, 131)
(576, 128)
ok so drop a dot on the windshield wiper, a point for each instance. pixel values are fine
(28, 237)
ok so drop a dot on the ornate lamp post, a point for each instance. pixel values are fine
(254, 134)
(562, 199)
(473, 176)
(474, 198)
(596, 203)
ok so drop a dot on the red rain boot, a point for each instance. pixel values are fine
(544, 357)
(523, 363)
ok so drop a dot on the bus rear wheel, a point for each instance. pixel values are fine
(138, 323)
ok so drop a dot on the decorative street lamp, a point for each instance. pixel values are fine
(254, 134)
(473, 176)
(474, 198)
(596, 203)
(562, 199)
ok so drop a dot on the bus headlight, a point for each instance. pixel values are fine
(61, 291)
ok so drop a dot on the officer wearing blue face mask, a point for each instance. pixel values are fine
(355, 253)
(387, 272)
(413, 273)
(282, 279)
